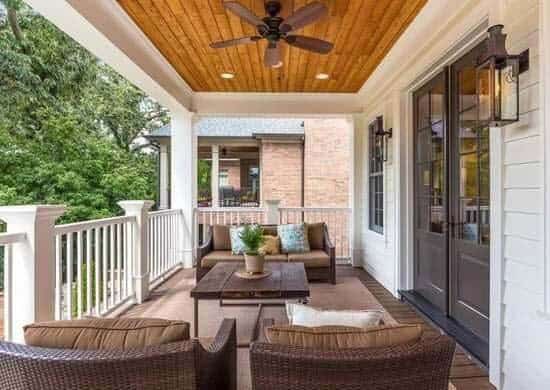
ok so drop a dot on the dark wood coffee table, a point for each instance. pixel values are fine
(287, 281)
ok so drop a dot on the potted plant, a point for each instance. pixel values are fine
(252, 237)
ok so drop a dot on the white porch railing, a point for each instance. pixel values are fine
(6, 242)
(338, 220)
(209, 216)
(101, 252)
(92, 268)
(164, 243)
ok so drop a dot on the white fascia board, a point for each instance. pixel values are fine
(103, 28)
(276, 104)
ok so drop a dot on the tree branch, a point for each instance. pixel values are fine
(14, 24)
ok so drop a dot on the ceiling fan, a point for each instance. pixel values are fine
(276, 29)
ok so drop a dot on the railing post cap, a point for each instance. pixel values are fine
(38, 211)
(136, 205)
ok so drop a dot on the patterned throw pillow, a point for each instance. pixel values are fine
(293, 238)
(237, 245)
(271, 246)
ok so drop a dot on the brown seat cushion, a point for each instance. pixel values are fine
(221, 239)
(336, 337)
(313, 259)
(215, 257)
(280, 258)
(106, 333)
(316, 235)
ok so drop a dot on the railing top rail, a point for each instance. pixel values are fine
(315, 209)
(95, 223)
(165, 212)
(11, 238)
(230, 209)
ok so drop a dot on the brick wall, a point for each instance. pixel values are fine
(328, 163)
(281, 172)
(233, 169)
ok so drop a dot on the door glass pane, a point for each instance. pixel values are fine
(423, 187)
(422, 213)
(423, 146)
(468, 140)
(437, 104)
(468, 176)
(437, 215)
(437, 142)
(484, 221)
(437, 179)
(467, 227)
(423, 111)
(484, 185)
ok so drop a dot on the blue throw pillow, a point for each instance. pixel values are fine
(293, 238)
(237, 245)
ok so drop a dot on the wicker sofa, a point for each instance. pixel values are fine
(320, 262)
(182, 365)
(423, 365)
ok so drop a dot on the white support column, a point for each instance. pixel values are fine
(33, 265)
(215, 176)
(164, 178)
(272, 212)
(140, 210)
(184, 178)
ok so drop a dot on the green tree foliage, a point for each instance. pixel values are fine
(68, 122)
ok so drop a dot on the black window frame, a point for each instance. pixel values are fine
(376, 177)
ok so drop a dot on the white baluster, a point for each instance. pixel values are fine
(79, 310)
(89, 272)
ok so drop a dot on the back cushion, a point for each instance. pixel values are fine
(306, 315)
(316, 235)
(293, 238)
(336, 337)
(105, 333)
(221, 238)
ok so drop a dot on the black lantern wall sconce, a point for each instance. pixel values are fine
(382, 137)
(497, 80)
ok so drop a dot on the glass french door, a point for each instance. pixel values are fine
(452, 182)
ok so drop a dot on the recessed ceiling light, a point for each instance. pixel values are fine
(227, 76)
(322, 76)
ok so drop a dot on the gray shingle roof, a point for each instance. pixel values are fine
(239, 127)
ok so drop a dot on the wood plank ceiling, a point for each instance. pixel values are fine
(363, 31)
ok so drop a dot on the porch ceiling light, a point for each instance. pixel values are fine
(322, 76)
(497, 81)
(227, 75)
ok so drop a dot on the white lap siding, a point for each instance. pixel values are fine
(523, 346)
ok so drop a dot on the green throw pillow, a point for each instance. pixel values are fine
(293, 238)
(237, 244)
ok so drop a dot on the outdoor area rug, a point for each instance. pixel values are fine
(172, 301)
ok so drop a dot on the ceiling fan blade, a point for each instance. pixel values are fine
(234, 42)
(308, 43)
(244, 13)
(273, 56)
(304, 16)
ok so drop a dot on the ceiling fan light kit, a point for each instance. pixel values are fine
(275, 29)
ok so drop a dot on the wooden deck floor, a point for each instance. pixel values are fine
(465, 373)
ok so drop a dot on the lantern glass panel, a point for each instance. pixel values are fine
(484, 87)
(507, 89)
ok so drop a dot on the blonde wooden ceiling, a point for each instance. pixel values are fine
(363, 31)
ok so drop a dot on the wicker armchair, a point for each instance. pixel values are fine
(184, 365)
(421, 366)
